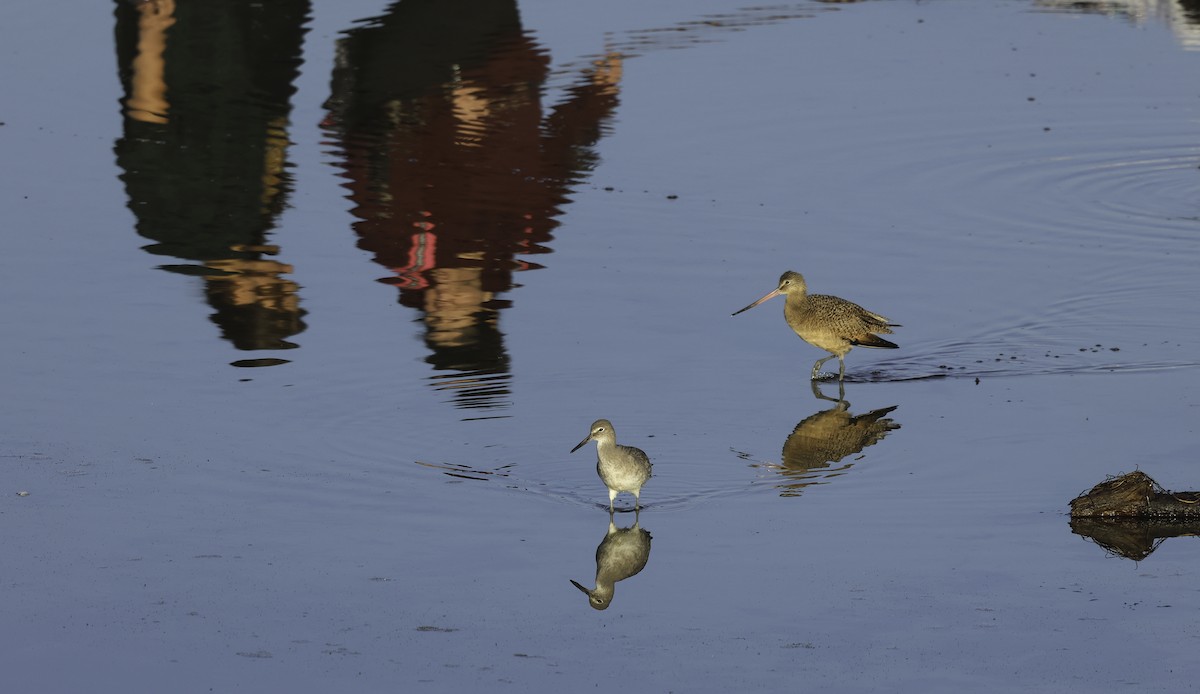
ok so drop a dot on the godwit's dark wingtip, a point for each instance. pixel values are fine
(873, 341)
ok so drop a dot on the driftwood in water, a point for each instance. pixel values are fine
(1135, 495)
(1130, 515)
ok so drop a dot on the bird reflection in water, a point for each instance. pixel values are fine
(622, 553)
(825, 439)
(457, 170)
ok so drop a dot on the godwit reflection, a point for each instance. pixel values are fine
(457, 170)
(814, 449)
(622, 553)
(1182, 16)
(204, 151)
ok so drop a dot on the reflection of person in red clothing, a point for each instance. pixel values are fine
(454, 171)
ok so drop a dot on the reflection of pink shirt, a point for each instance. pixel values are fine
(474, 181)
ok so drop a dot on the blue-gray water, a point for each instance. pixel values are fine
(305, 306)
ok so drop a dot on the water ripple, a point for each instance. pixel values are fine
(1083, 187)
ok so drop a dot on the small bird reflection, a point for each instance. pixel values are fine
(828, 437)
(622, 553)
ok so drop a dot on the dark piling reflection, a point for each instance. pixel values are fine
(204, 150)
(814, 450)
(456, 169)
(622, 553)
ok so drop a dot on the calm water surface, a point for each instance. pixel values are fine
(307, 303)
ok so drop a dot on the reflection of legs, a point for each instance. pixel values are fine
(816, 389)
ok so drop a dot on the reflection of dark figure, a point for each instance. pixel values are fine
(622, 553)
(204, 149)
(827, 437)
(453, 168)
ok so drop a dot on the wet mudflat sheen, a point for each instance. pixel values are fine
(306, 304)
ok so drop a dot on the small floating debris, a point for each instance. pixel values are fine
(258, 363)
(22, 493)
(255, 654)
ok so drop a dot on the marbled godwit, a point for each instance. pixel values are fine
(621, 468)
(828, 322)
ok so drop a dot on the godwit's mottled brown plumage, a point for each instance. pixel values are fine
(829, 322)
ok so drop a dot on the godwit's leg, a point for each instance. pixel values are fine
(817, 367)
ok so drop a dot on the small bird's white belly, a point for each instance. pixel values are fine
(621, 478)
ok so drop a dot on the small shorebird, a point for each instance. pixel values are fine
(828, 322)
(621, 468)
